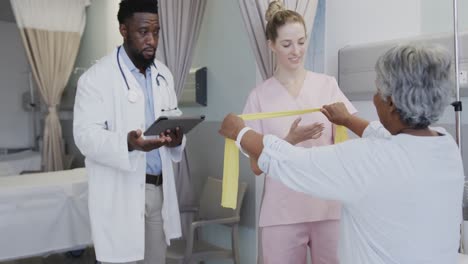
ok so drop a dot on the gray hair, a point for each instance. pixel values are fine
(419, 81)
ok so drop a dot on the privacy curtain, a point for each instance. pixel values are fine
(51, 31)
(180, 22)
(253, 14)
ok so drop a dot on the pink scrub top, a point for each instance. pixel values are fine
(280, 204)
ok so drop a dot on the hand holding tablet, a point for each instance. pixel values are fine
(164, 123)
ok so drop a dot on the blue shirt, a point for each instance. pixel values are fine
(153, 159)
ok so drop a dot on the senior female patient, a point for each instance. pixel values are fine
(400, 184)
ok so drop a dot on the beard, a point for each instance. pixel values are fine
(142, 61)
(138, 56)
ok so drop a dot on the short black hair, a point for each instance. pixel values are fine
(129, 7)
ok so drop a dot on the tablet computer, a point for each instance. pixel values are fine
(164, 123)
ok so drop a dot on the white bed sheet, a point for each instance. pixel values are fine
(14, 164)
(43, 213)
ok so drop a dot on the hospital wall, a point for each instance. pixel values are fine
(101, 33)
(223, 47)
(364, 21)
(15, 123)
(437, 16)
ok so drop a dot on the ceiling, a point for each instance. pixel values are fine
(6, 14)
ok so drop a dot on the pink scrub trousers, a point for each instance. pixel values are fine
(288, 244)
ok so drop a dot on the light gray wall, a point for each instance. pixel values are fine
(100, 36)
(365, 21)
(6, 12)
(101, 33)
(223, 47)
(15, 123)
(437, 16)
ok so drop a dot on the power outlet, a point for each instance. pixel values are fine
(463, 78)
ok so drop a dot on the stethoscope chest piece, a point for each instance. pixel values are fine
(132, 96)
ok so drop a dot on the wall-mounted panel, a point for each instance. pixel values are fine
(356, 75)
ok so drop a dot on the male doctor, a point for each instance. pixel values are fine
(132, 197)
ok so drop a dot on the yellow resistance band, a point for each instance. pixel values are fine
(231, 155)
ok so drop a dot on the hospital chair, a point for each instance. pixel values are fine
(193, 249)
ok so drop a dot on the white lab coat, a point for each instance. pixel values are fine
(103, 116)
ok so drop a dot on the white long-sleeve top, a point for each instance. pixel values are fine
(401, 194)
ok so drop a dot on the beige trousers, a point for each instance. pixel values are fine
(155, 240)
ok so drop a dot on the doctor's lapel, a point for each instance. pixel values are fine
(163, 94)
(136, 107)
(157, 93)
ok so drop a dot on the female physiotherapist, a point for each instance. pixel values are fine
(290, 221)
(401, 184)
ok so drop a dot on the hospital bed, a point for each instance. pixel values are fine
(15, 163)
(43, 213)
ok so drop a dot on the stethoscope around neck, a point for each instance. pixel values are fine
(132, 94)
